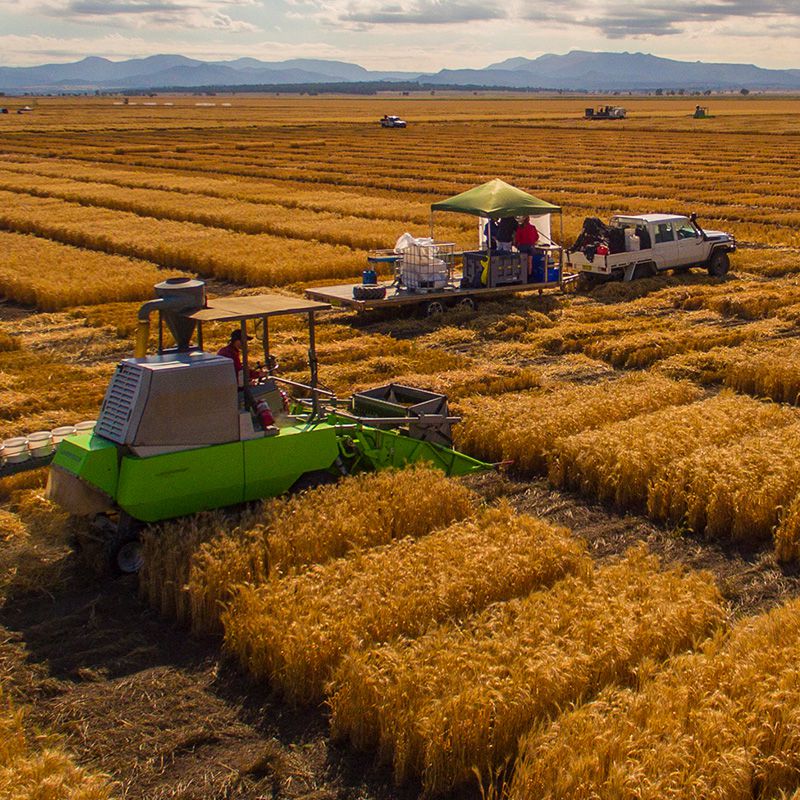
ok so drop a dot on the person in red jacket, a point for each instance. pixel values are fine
(525, 239)
(233, 350)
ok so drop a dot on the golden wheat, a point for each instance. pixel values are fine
(460, 696)
(722, 723)
(359, 513)
(618, 462)
(294, 631)
(524, 428)
(735, 491)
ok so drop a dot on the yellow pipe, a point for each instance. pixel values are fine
(142, 339)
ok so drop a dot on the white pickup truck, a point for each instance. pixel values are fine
(643, 245)
(392, 122)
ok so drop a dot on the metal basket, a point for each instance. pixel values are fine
(427, 267)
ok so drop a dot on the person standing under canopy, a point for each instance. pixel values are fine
(525, 240)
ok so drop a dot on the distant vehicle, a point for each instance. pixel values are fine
(642, 246)
(392, 122)
(701, 112)
(24, 110)
(605, 112)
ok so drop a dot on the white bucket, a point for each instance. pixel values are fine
(61, 433)
(40, 444)
(85, 427)
(16, 450)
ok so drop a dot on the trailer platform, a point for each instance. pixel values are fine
(341, 295)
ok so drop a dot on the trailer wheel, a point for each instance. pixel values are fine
(465, 304)
(434, 308)
(718, 264)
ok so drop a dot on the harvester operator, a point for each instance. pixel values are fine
(233, 350)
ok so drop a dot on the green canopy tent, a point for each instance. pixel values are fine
(497, 199)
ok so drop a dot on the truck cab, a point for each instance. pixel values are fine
(636, 246)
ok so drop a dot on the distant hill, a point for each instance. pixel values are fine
(578, 70)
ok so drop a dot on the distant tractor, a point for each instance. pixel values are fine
(701, 112)
(605, 112)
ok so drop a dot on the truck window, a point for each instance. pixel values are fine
(664, 233)
(686, 230)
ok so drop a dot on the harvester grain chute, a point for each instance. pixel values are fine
(180, 432)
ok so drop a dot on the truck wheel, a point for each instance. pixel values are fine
(648, 270)
(465, 304)
(718, 264)
(587, 281)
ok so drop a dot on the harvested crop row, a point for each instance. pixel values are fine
(192, 568)
(525, 428)
(32, 767)
(722, 723)
(293, 632)
(257, 259)
(461, 696)
(243, 217)
(617, 463)
(51, 276)
(732, 492)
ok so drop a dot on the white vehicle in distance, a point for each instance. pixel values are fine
(640, 246)
(392, 122)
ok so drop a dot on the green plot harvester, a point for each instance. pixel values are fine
(181, 431)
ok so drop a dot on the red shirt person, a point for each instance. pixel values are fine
(525, 239)
(233, 350)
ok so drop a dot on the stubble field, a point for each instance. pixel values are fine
(614, 616)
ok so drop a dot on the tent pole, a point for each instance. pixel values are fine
(431, 223)
(561, 252)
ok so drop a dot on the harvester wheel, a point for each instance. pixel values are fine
(124, 547)
(718, 264)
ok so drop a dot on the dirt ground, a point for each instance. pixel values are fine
(167, 716)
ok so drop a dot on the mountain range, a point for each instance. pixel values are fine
(577, 70)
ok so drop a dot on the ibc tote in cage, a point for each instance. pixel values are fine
(424, 265)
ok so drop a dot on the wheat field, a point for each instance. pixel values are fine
(493, 635)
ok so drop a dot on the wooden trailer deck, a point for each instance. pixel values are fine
(341, 295)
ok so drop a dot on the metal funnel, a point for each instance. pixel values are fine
(180, 295)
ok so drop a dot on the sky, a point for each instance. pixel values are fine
(413, 35)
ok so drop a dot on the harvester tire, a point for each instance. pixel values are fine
(369, 292)
(718, 264)
(124, 546)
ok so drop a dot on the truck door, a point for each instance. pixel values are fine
(665, 246)
(691, 247)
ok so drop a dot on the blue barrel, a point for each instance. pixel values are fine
(552, 274)
(369, 277)
(539, 262)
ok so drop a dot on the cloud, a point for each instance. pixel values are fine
(144, 14)
(618, 20)
(367, 14)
